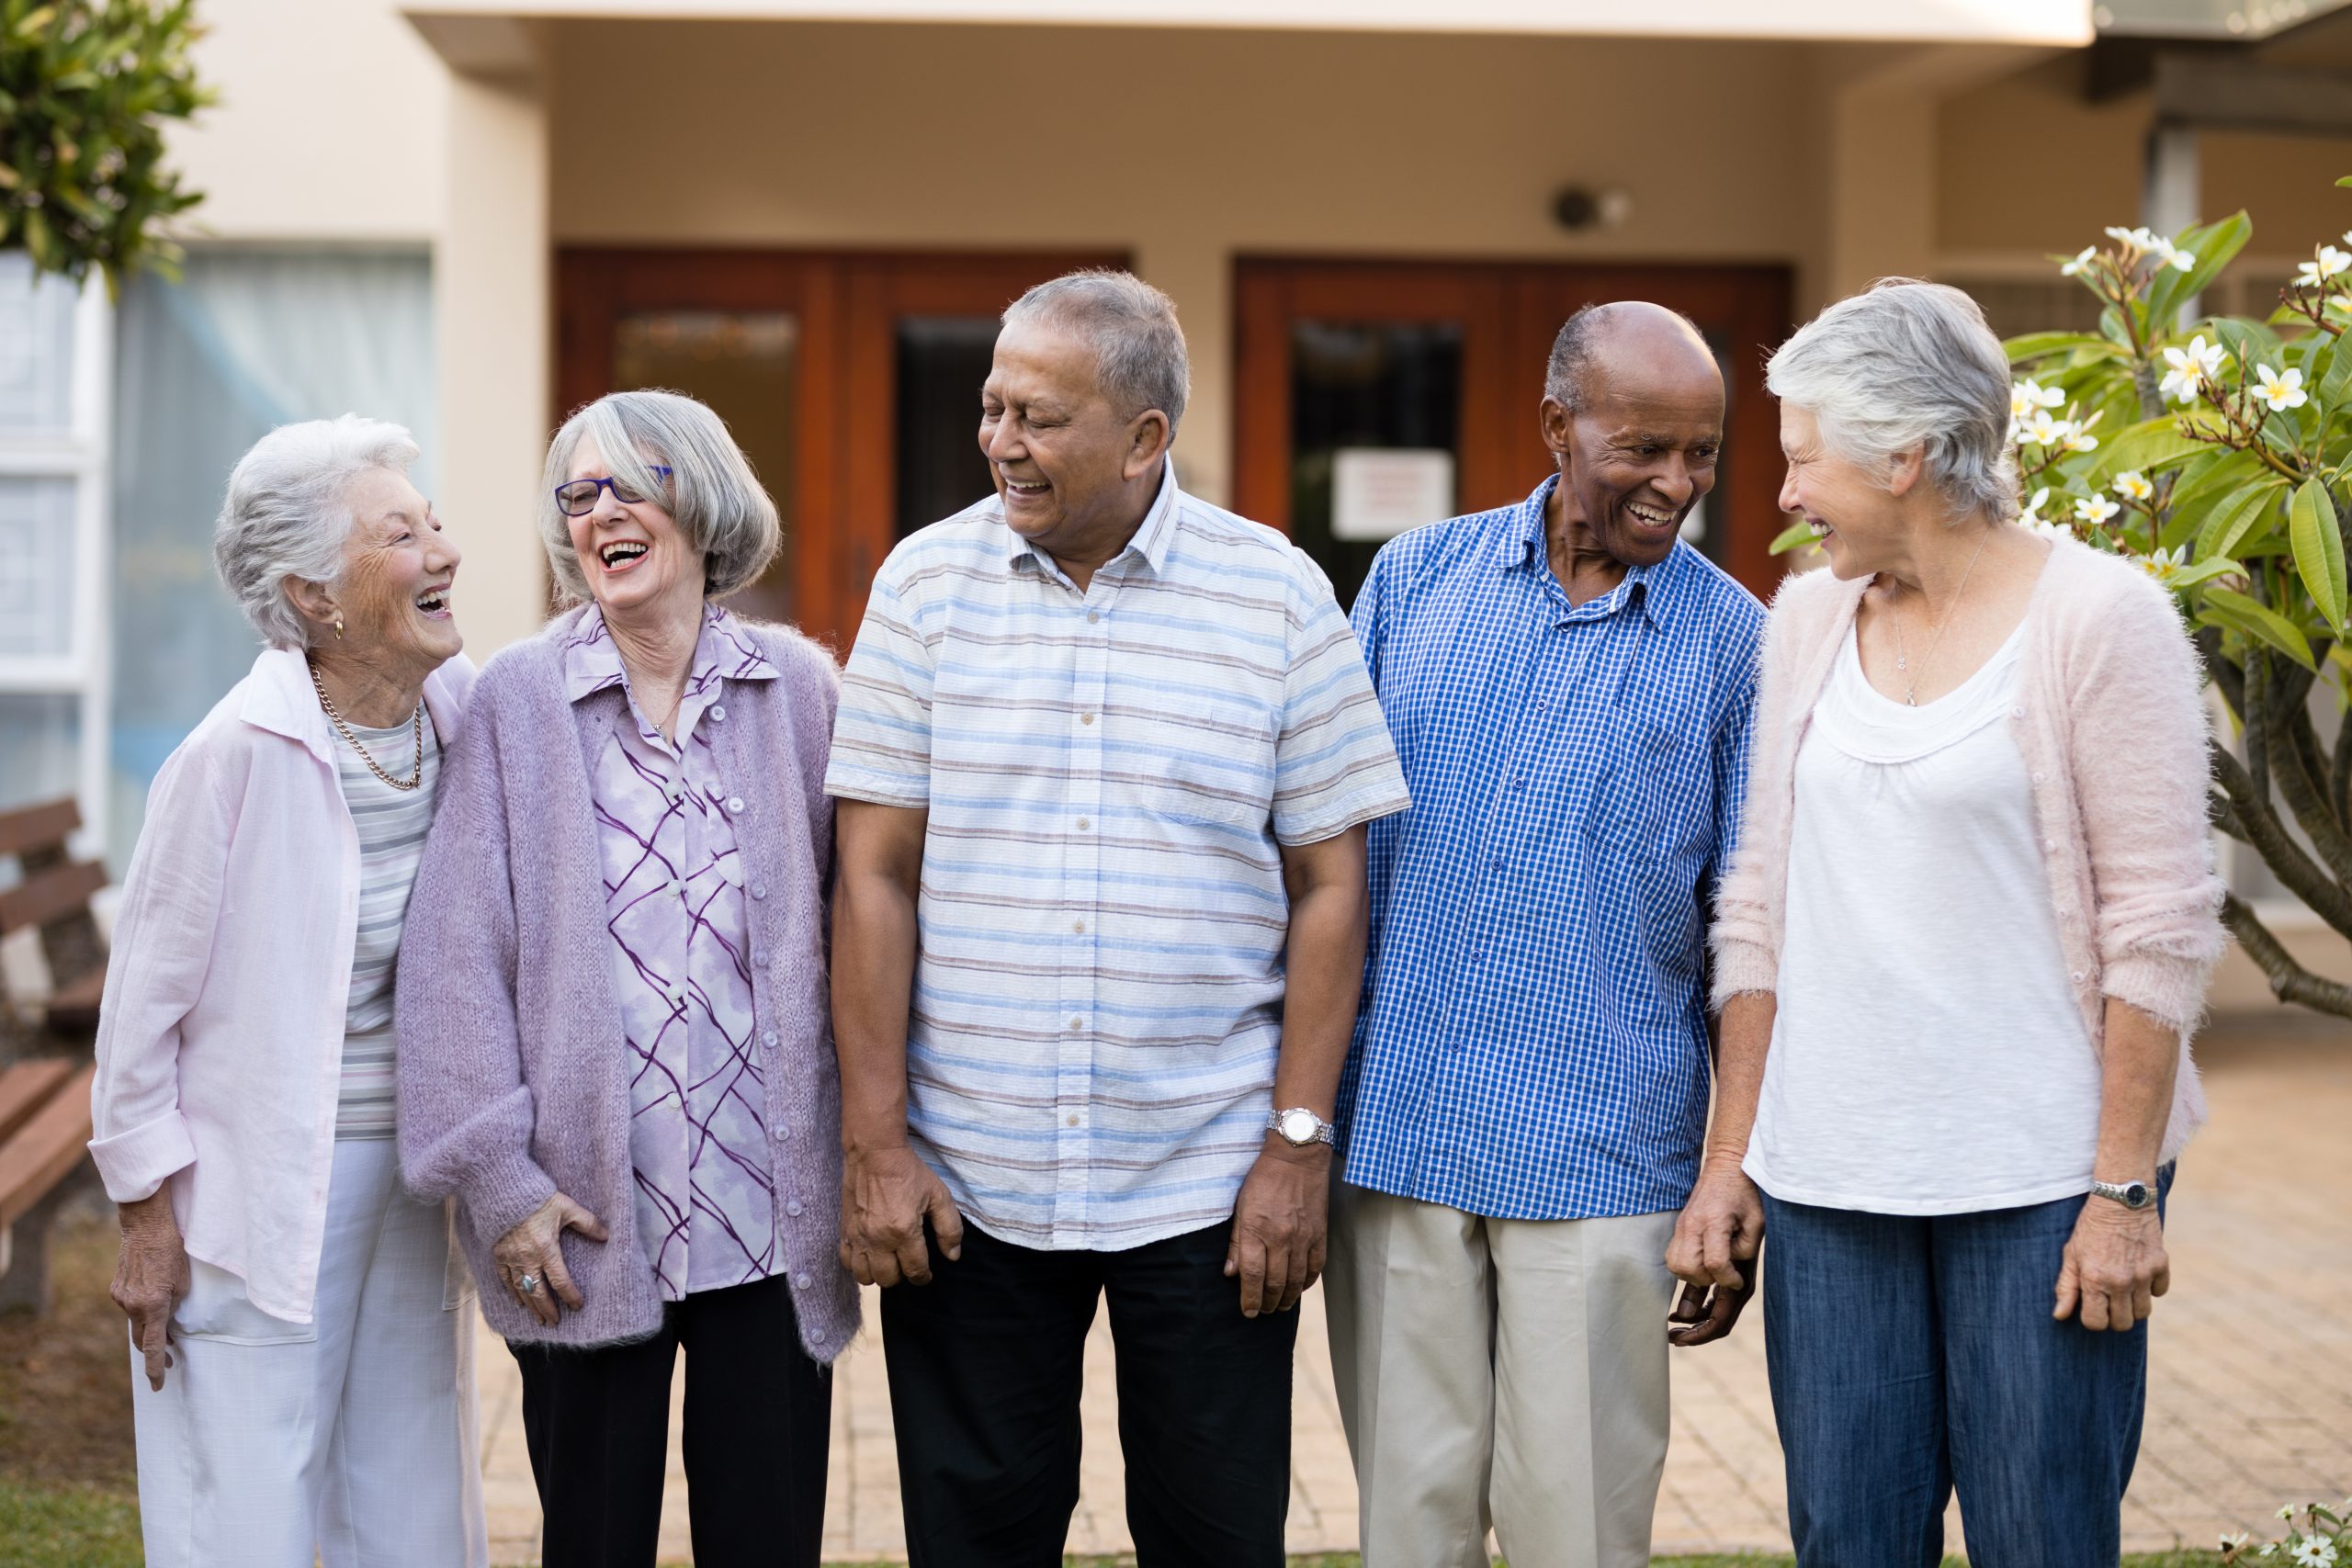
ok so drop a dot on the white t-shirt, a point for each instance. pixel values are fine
(1927, 1057)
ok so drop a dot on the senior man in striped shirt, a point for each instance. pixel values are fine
(1570, 686)
(1104, 758)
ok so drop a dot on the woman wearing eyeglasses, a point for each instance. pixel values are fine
(613, 1041)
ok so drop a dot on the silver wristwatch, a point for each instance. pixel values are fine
(2134, 1195)
(1301, 1128)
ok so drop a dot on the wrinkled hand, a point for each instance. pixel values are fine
(2114, 1267)
(534, 1247)
(886, 1191)
(1713, 1253)
(1280, 1225)
(151, 1275)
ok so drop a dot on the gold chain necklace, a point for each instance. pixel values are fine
(1901, 662)
(416, 775)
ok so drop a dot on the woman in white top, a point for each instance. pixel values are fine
(303, 1371)
(1964, 941)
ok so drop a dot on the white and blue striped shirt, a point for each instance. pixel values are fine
(1532, 1041)
(1110, 775)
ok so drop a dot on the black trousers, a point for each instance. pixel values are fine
(986, 1364)
(758, 1415)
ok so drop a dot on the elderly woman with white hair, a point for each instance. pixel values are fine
(613, 1034)
(1959, 955)
(309, 1379)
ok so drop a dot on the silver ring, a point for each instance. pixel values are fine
(527, 1283)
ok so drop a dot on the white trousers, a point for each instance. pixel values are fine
(1502, 1373)
(348, 1440)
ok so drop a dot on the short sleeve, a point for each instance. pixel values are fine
(882, 730)
(1334, 763)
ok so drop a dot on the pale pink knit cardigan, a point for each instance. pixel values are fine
(2111, 720)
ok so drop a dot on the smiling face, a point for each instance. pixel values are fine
(637, 564)
(1075, 476)
(1640, 454)
(394, 589)
(1859, 523)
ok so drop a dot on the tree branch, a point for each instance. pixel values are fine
(2289, 981)
(2300, 875)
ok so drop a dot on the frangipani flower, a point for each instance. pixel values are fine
(2038, 429)
(2082, 259)
(2027, 396)
(2139, 243)
(2133, 485)
(2280, 392)
(2094, 510)
(2078, 437)
(2330, 262)
(2193, 368)
(2165, 565)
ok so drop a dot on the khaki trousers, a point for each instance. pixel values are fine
(1502, 1373)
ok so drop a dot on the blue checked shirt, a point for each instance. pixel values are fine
(1532, 1042)
(1111, 775)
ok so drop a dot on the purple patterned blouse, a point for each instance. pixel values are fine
(674, 902)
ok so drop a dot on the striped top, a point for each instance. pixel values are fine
(1110, 775)
(1532, 1042)
(392, 825)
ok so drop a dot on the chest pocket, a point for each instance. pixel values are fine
(1215, 757)
(1652, 801)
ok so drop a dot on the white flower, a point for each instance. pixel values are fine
(2330, 262)
(2165, 565)
(2027, 396)
(2315, 1554)
(2281, 392)
(2038, 429)
(2287, 1510)
(2340, 302)
(2133, 485)
(2139, 243)
(2182, 261)
(2192, 368)
(2078, 437)
(2094, 510)
(2231, 1542)
(2082, 260)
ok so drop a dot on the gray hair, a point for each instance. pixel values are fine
(1907, 365)
(712, 495)
(286, 514)
(1567, 375)
(1139, 355)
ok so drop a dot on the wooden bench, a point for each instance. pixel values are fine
(54, 898)
(44, 1130)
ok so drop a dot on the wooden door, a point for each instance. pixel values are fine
(838, 372)
(1424, 336)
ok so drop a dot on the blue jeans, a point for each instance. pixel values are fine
(1913, 1356)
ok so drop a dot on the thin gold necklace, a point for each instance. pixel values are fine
(416, 775)
(1901, 662)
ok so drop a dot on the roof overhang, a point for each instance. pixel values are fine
(455, 26)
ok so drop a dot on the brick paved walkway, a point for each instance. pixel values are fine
(2250, 1396)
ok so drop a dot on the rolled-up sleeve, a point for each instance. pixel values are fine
(882, 730)
(163, 947)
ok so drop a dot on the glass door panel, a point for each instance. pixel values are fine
(1376, 414)
(942, 360)
(746, 366)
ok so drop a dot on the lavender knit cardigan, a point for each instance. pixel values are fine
(513, 1067)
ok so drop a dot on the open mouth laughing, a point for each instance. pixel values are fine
(620, 555)
(433, 603)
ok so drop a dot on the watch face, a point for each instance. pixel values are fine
(2136, 1195)
(1299, 1126)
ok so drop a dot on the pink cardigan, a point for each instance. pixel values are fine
(2111, 722)
(221, 1033)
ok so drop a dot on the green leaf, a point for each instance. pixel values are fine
(2203, 572)
(1789, 537)
(2345, 181)
(2337, 382)
(2319, 549)
(2228, 608)
(2229, 523)
(2148, 445)
(2041, 346)
(2214, 246)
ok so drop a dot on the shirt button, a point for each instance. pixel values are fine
(816, 1337)
(2080, 976)
(1086, 718)
(802, 1280)
(1076, 1021)
(2051, 845)
(781, 1131)
(718, 712)
(2039, 777)
(734, 803)
(768, 1039)
(1073, 1118)
(761, 958)
(1078, 926)
(1081, 824)
(676, 885)
(759, 889)
(793, 1208)
(2016, 712)
(1092, 616)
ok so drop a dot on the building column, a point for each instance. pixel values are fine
(493, 313)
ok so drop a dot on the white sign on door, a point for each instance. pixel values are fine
(1377, 492)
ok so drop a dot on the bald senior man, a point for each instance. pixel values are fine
(1570, 687)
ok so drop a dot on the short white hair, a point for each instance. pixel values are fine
(288, 514)
(1140, 360)
(1907, 364)
(711, 494)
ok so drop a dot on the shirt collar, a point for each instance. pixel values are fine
(1152, 536)
(592, 663)
(1651, 587)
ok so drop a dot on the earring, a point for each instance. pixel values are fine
(338, 628)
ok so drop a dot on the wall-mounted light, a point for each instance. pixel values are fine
(1580, 208)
